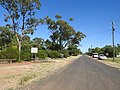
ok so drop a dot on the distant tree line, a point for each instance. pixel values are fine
(106, 50)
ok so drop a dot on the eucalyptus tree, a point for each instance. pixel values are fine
(109, 50)
(21, 15)
(48, 44)
(26, 39)
(77, 38)
(117, 49)
(5, 36)
(63, 33)
(38, 42)
(26, 45)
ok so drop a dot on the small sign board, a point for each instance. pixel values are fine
(34, 50)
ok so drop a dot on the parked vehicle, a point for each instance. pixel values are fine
(102, 57)
(95, 55)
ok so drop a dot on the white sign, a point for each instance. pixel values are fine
(34, 50)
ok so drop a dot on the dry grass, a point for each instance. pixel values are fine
(110, 62)
(19, 74)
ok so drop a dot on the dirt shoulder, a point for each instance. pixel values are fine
(112, 64)
(107, 62)
(19, 74)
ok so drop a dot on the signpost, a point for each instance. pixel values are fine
(34, 50)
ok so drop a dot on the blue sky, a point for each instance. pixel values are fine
(92, 17)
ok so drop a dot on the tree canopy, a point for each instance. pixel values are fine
(21, 21)
(63, 34)
(21, 14)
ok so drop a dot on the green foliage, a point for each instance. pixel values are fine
(73, 50)
(26, 47)
(77, 38)
(58, 17)
(71, 19)
(26, 39)
(95, 50)
(63, 34)
(22, 20)
(42, 54)
(36, 42)
(2, 54)
(117, 49)
(5, 37)
(21, 17)
(53, 54)
(65, 53)
(9, 53)
(108, 49)
(26, 56)
(24, 9)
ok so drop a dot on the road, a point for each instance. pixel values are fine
(83, 74)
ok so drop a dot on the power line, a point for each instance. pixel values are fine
(97, 33)
(108, 37)
(117, 31)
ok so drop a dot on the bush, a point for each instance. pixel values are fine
(26, 56)
(42, 54)
(65, 53)
(53, 54)
(2, 54)
(10, 53)
(74, 52)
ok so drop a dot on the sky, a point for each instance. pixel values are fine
(92, 17)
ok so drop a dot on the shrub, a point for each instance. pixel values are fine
(26, 56)
(42, 54)
(74, 52)
(65, 53)
(2, 54)
(53, 54)
(10, 53)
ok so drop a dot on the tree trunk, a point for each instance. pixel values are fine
(19, 46)
(19, 43)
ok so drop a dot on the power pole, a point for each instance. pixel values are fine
(91, 48)
(113, 29)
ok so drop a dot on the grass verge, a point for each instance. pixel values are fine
(117, 60)
(20, 74)
(110, 62)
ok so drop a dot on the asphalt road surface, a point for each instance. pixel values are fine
(82, 74)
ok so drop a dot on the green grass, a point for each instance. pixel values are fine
(117, 60)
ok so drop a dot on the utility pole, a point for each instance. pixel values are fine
(113, 29)
(91, 48)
